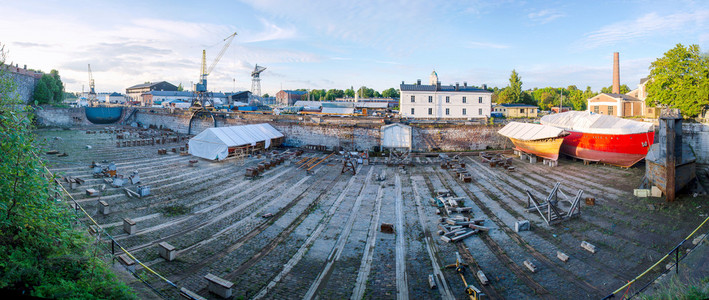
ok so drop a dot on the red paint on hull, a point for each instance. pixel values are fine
(616, 149)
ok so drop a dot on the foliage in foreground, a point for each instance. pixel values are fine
(41, 253)
(674, 289)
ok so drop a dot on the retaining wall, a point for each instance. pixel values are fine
(349, 133)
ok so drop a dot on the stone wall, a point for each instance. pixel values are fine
(60, 117)
(24, 86)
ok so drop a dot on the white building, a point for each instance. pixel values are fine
(435, 101)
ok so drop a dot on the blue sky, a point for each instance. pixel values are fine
(338, 44)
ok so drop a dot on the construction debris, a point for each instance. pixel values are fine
(387, 228)
(530, 266)
(431, 281)
(522, 226)
(482, 278)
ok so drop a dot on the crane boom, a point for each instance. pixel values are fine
(221, 53)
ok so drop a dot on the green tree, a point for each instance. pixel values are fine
(41, 253)
(350, 92)
(624, 89)
(264, 95)
(180, 88)
(680, 79)
(515, 87)
(390, 93)
(43, 91)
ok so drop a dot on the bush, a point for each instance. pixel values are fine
(41, 254)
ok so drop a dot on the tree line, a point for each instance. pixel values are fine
(49, 89)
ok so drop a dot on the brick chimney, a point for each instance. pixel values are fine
(616, 73)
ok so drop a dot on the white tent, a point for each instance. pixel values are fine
(396, 135)
(214, 143)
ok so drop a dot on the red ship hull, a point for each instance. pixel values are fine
(622, 150)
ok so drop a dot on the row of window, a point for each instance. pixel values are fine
(610, 109)
(448, 112)
(448, 99)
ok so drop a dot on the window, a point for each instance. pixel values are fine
(464, 108)
(463, 99)
(412, 109)
(430, 111)
(448, 99)
(480, 111)
(595, 109)
(430, 99)
(521, 111)
(413, 99)
(610, 110)
(480, 99)
(448, 111)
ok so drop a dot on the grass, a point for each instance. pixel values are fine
(675, 289)
(174, 210)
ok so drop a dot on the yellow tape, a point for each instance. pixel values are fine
(661, 260)
(119, 246)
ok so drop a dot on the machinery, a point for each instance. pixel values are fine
(256, 80)
(202, 96)
(92, 99)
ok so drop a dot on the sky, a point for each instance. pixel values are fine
(325, 44)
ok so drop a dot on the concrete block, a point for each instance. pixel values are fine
(562, 256)
(92, 193)
(482, 277)
(530, 266)
(103, 208)
(698, 239)
(655, 191)
(445, 239)
(190, 294)
(588, 246)
(522, 226)
(167, 251)
(219, 286)
(641, 192)
(129, 226)
(431, 281)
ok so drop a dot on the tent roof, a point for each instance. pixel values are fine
(585, 121)
(529, 131)
(241, 135)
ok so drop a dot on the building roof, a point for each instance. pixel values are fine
(516, 105)
(149, 84)
(338, 110)
(621, 96)
(371, 104)
(115, 94)
(395, 135)
(442, 88)
(170, 93)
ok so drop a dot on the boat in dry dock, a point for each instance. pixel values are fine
(603, 138)
(540, 140)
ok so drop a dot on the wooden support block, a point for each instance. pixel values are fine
(522, 226)
(431, 281)
(219, 286)
(463, 236)
(387, 228)
(190, 294)
(92, 192)
(482, 278)
(445, 239)
(562, 256)
(167, 251)
(103, 207)
(588, 246)
(530, 266)
(129, 226)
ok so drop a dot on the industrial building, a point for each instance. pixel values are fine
(289, 97)
(517, 110)
(436, 101)
(134, 92)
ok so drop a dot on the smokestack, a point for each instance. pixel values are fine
(616, 73)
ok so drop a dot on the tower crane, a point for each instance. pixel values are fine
(256, 80)
(202, 96)
(92, 99)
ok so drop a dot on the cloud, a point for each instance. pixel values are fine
(271, 32)
(30, 44)
(483, 45)
(647, 25)
(545, 16)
